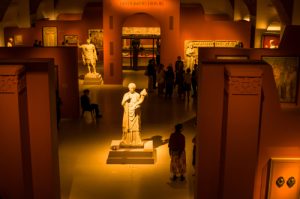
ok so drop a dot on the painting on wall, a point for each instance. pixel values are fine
(270, 40)
(50, 36)
(96, 36)
(71, 39)
(285, 71)
(283, 178)
(18, 40)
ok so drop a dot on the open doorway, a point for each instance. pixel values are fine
(140, 41)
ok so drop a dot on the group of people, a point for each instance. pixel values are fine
(167, 80)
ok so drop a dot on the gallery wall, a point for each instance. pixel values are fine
(192, 25)
(195, 27)
(67, 61)
(279, 129)
(90, 19)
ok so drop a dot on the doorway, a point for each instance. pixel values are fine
(140, 41)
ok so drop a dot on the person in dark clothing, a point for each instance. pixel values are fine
(179, 72)
(36, 43)
(135, 43)
(177, 153)
(169, 79)
(194, 80)
(87, 106)
(151, 72)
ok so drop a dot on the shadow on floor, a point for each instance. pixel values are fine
(157, 140)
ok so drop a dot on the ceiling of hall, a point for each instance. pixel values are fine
(3, 7)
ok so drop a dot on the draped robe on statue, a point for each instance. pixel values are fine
(132, 119)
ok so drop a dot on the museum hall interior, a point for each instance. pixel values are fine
(143, 99)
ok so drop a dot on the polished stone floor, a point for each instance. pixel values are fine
(84, 146)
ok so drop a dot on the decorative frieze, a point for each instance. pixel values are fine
(243, 85)
(241, 80)
(12, 79)
(8, 84)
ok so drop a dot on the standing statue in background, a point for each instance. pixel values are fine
(132, 117)
(89, 55)
(190, 56)
(89, 58)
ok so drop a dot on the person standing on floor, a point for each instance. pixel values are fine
(160, 80)
(179, 72)
(169, 78)
(194, 80)
(187, 84)
(151, 72)
(177, 153)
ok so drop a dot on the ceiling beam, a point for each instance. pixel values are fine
(34, 5)
(285, 10)
(251, 5)
(232, 3)
(3, 7)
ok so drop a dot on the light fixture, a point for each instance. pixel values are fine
(274, 26)
(246, 18)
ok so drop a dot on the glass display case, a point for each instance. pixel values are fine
(137, 50)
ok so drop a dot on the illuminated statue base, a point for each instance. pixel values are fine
(121, 155)
(93, 79)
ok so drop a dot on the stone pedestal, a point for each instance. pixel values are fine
(118, 155)
(93, 79)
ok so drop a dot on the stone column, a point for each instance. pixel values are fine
(15, 166)
(240, 134)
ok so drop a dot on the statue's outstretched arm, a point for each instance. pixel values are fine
(143, 93)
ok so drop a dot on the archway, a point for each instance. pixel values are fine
(140, 41)
(116, 12)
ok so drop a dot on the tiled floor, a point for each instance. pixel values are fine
(84, 147)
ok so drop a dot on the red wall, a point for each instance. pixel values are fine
(194, 27)
(279, 131)
(189, 24)
(66, 59)
(141, 20)
(91, 19)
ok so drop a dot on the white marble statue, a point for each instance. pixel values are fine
(89, 55)
(132, 117)
(10, 42)
(190, 56)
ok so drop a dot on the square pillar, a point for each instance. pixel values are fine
(43, 130)
(15, 166)
(240, 134)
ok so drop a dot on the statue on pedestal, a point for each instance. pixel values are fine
(89, 58)
(132, 117)
(89, 55)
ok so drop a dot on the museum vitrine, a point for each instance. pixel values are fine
(139, 45)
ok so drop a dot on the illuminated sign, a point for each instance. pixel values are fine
(142, 3)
